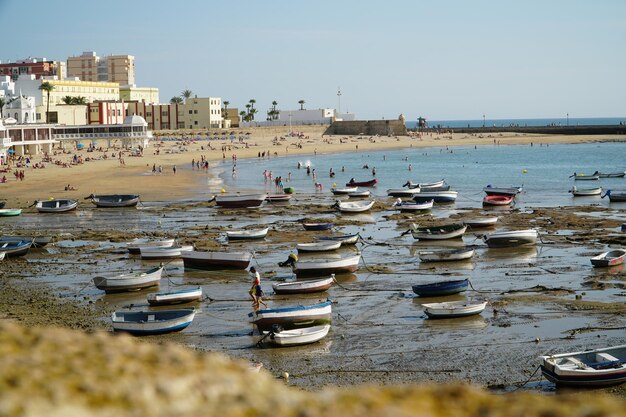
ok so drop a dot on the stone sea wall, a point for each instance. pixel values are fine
(60, 372)
(368, 128)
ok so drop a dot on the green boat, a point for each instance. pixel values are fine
(10, 212)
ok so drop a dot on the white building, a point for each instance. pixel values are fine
(22, 109)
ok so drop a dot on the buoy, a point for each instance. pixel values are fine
(286, 375)
(524, 171)
(222, 191)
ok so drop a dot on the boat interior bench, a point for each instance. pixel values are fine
(606, 361)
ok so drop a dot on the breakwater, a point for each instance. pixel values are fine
(542, 130)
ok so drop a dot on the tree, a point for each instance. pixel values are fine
(252, 102)
(243, 116)
(301, 103)
(176, 100)
(225, 109)
(272, 114)
(47, 87)
(80, 100)
(2, 104)
(252, 113)
(186, 94)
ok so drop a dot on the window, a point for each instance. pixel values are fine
(190, 112)
(195, 111)
(195, 122)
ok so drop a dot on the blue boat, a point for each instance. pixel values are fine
(14, 248)
(317, 226)
(441, 288)
(141, 323)
(292, 317)
(436, 196)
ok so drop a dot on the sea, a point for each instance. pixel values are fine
(554, 121)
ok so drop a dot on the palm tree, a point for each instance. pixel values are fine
(47, 87)
(252, 113)
(176, 100)
(243, 115)
(186, 94)
(80, 100)
(252, 102)
(301, 103)
(67, 99)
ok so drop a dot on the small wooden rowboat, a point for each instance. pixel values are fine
(133, 281)
(411, 207)
(240, 200)
(114, 200)
(326, 266)
(425, 185)
(171, 252)
(611, 258)
(10, 212)
(437, 196)
(318, 247)
(597, 367)
(583, 177)
(369, 183)
(497, 200)
(359, 194)
(38, 241)
(343, 191)
(216, 260)
(297, 337)
(304, 287)
(513, 191)
(481, 222)
(354, 206)
(615, 196)
(510, 238)
(247, 234)
(292, 317)
(448, 231)
(141, 323)
(446, 255)
(435, 289)
(583, 192)
(13, 249)
(403, 192)
(278, 198)
(317, 226)
(619, 174)
(453, 309)
(136, 245)
(175, 297)
(344, 239)
(56, 206)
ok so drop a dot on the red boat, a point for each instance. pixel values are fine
(497, 200)
(369, 183)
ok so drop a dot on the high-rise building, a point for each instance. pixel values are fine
(113, 68)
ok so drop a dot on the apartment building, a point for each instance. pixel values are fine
(113, 68)
(38, 67)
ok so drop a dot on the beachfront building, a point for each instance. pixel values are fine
(113, 68)
(37, 67)
(133, 93)
(20, 110)
(23, 139)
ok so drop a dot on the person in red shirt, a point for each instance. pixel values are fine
(256, 292)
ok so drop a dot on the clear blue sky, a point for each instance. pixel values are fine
(438, 59)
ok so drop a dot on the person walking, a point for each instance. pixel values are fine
(256, 292)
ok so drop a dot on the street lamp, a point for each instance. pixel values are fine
(339, 100)
(483, 120)
(568, 119)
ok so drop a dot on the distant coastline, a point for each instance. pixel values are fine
(552, 122)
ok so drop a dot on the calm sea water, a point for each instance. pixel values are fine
(543, 170)
(563, 121)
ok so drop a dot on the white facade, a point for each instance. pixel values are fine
(22, 109)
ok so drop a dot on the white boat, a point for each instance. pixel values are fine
(437, 196)
(403, 192)
(170, 252)
(441, 232)
(343, 191)
(133, 281)
(304, 287)
(56, 206)
(296, 337)
(240, 200)
(326, 266)
(597, 367)
(359, 194)
(114, 200)
(435, 184)
(509, 238)
(512, 191)
(247, 234)
(344, 239)
(10, 212)
(481, 222)
(446, 255)
(318, 246)
(187, 295)
(583, 177)
(452, 309)
(411, 206)
(152, 322)
(136, 245)
(216, 260)
(292, 317)
(580, 192)
(610, 258)
(354, 206)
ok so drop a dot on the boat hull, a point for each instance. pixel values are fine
(511, 239)
(175, 297)
(135, 247)
(610, 258)
(317, 226)
(292, 317)
(436, 196)
(247, 234)
(452, 310)
(303, 287)
(439, 233)
(216, 260)
(240, 201)
(313, 268)
(297, 337)
(129, 282)
(369, 183)
(446, 255)
(172, 252)
(143, 323)
(441, 288)
(115, 200)
(56, 206)
(12, 249)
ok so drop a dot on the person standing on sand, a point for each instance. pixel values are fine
(174, 169)
(256, 292)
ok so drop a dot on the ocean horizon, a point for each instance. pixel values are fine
(554, 121)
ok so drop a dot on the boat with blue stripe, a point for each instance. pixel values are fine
(434, 289)
(141, 323)
(292, 317)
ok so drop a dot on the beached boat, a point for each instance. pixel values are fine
(369, 183)
(278, 198)
(359, 193)
(354, 206)
(2, 255)
(615, 196)
(170, 252)
(403, 192)
(240, 200)
(580, 192)
(114, 200)
(292, 317)
(513, 191)
(446, 255)
(343, 191)
(597, 367)
(56, 206)
(304, 287)
(453, 309)
(152, 322)
(436, 196)
(412, 206)
(317, 226)
(345, 240)
(481, 222)
(436, 289)
(296, 337)
(247, 234)
(38, 241)
(447, 231)
(326, 266)
(187, 295)
(509, 238)
(497, 200)
(10, 212)
(133, 281)
(318, 247)
(583, 177)
(135, 246)
(619, 174)
(13, 249)
(429, 185)
(216, 260)
(610, 258)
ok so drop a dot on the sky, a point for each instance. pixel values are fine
(443, 60)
